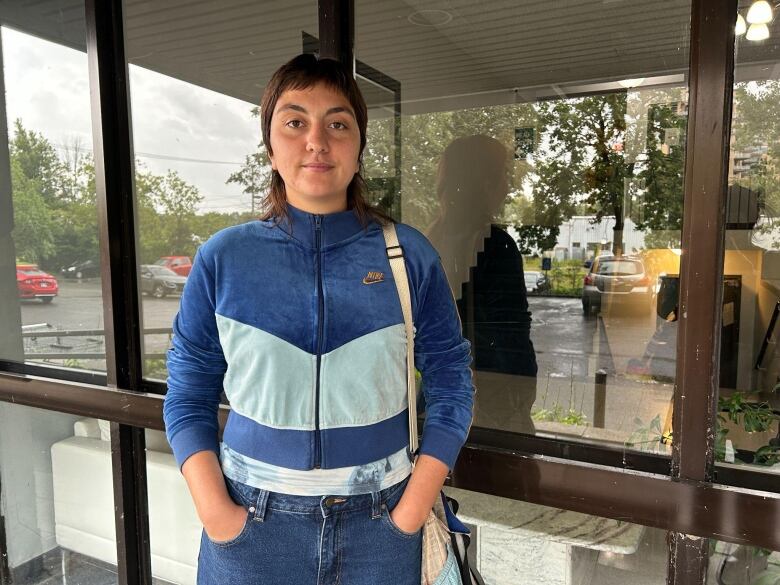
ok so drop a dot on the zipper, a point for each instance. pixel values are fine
(320, 313)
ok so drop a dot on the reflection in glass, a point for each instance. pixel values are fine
(199, 162)
(739, 564)
(52, 310)
(748, 432)
(58, 498)
(517, 542)
(543, 156)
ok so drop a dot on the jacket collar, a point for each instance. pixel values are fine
(335, 227)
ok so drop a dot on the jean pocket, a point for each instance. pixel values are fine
(394, 527)
(232, 541)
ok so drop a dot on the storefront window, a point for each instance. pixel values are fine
(749, 400)
(742, 564)
(517, 542)
(58, 499)
(196, 77)
(541, 150)
(52, 311)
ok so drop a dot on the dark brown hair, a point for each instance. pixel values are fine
(303, 72)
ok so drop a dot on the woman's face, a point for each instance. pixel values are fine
(315, 141)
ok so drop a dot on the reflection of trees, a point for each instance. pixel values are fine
(55, 214)
(756, 130)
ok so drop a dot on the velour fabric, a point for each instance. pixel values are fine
(263, 277)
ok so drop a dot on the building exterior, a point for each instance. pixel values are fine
(644, 449)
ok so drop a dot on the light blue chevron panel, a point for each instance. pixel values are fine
(268, 379)
(364, 381)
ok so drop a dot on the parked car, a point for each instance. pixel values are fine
(605, 254)
(34, 283)
(85, 269)
(160, 281)
(535, 282)
(617, 281)
(181, 265)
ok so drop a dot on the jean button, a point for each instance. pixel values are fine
(252, 509)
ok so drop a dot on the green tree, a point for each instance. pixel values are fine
(583, 160)
(33, 222)
(255, 174)
(37, 160)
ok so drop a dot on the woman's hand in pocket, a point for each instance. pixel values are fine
(226, 522)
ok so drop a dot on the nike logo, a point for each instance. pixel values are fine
(373, 277)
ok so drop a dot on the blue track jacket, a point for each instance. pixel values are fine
(300, 323)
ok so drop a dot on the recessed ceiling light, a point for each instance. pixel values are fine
(760, 12)
(741, 26)
(629, 83)
(430, 17)
(757, 32)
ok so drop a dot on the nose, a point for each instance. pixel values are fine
(317, 139)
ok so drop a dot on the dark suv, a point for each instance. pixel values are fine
(617, 281)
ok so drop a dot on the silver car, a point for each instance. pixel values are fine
(618, 281)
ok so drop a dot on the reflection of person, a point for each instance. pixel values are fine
(297, 316)
(485, 271)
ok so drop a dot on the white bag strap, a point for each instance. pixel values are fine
(396, 256)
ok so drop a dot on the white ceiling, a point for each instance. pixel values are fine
(490, 51)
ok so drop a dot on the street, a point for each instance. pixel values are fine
(570, 350)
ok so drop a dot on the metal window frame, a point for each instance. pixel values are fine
(562, 474)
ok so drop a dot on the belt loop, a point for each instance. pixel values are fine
(376, 505)
(261, 503)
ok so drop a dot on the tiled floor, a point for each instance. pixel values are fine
(68, 568)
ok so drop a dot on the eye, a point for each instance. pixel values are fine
(294, 123)
(339, 125)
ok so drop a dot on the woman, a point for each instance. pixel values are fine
(297, 317)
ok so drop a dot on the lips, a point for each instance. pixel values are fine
(318, 167)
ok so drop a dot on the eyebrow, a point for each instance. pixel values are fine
(334, 110)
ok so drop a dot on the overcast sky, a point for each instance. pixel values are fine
(47, 86)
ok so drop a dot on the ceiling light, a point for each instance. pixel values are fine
(760, 13)
(629, 83)
(430, 17)
(757, 32)
(741, 26)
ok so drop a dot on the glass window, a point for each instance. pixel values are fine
(197, 73)
(541, 150)
(741, 564)
(52, 310)
(58, 497)
(517, 542)
(749, 399)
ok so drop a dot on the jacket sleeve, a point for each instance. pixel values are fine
(196, 368)
(442, 355)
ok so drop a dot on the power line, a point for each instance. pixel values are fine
(155, 156)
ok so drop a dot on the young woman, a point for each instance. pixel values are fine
(296, 317)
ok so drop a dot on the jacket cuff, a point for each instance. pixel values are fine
(190, 440)
(442, 444)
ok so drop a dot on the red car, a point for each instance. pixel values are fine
(34, 283)
(181, 265)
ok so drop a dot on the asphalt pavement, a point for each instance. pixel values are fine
(570, 349)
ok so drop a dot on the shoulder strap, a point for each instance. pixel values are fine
(396, 256)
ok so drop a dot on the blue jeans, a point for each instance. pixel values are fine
(313, 540)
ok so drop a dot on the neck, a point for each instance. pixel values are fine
(318, 206)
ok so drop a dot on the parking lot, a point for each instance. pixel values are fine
(570, 349)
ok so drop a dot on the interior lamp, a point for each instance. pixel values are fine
(741, 27)
(757, 32)
(760, 13)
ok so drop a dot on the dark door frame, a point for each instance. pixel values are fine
(553, 473)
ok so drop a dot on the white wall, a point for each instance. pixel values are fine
(26, 436)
